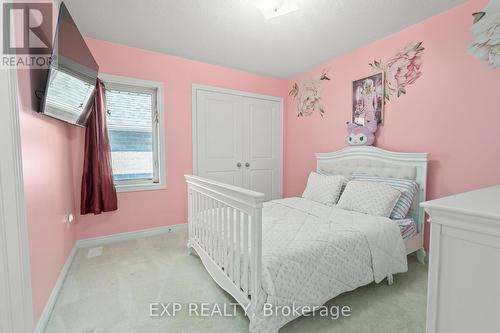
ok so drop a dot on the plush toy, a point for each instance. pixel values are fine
(359, 135)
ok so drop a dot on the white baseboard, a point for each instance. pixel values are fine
(97, 241)
(91, 242)
(44, 318)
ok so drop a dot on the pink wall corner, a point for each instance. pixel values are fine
(148, 209)
(451, 112)
(48, 190)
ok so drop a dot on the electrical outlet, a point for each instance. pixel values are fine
(69, 219)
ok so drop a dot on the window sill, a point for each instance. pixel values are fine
(139, 187)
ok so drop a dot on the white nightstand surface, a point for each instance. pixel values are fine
(483, 202)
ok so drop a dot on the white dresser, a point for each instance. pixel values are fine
(464, 263)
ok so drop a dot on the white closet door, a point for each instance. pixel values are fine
(238, 139)
(262, 147)
(219, 120)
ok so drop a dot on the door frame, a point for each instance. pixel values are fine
(16, 309)
(194, 115)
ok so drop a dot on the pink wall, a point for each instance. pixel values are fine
(48, 189)
(451, 112)
(141, 210)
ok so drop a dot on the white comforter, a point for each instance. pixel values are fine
(312, 253)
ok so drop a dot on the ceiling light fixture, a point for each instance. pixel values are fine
(274, 8)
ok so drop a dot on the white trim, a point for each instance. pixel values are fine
(282, 145)
(143, 186)
(97, 241)
(194, 109)
(51, 302)
(129, 81)
(162, 145)
(91, 242)
(194, 126)
(197, 87)
(16, 309)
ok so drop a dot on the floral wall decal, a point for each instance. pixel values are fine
(401, 70)
(486, 31)
(307, 95)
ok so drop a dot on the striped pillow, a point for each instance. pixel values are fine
(407, 187)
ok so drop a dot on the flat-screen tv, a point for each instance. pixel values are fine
(72, 74)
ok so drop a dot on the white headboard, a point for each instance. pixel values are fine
(379, 162)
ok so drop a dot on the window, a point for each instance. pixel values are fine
(135, 127)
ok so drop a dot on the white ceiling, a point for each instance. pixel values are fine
(233, 33)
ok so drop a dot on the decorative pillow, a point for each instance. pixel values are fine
(369, 198)
(323, 189)
(407, 187)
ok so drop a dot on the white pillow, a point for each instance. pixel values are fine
(371, 198)
(324, 189)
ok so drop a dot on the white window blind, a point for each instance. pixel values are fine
(133, 133)
(67, 96)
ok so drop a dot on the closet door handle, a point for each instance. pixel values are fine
(247, 164)
(238, 164)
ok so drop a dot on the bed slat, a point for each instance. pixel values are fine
(225, 229)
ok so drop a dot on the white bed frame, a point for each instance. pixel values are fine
(225, 221)
(379, 162)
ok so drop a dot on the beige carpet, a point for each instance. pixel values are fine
(112, 294)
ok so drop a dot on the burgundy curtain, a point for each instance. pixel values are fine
(98, 189)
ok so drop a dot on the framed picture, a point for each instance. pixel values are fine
(368, 99)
